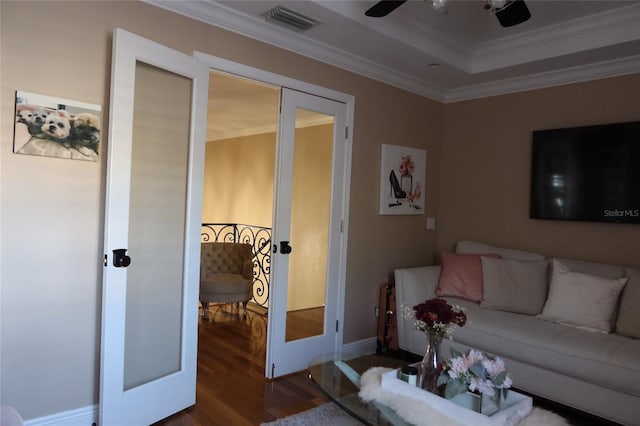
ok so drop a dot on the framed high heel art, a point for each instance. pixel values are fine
(402, 180)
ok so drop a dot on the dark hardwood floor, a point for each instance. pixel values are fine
(231, 388)
(304, 323)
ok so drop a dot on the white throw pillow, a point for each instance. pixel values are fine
(514, 285)
(581, 300)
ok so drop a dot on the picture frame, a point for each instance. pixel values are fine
(56, 127)
(402, 180)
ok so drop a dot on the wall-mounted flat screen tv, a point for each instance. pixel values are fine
(587, 173)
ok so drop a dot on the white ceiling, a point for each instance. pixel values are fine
(563, 42)
(238, 107)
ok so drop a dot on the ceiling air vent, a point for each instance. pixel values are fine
(290, 18)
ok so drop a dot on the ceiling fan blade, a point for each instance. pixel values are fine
(513, 14)
(383, 8)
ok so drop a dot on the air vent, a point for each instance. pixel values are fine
(290, 18)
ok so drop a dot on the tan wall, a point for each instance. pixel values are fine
(486, 155)
(310, 215)
(52, 209)
(238, 188)
(238, 180)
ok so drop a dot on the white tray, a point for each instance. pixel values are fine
(514, 408)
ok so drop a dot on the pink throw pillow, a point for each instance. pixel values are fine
(462, 276)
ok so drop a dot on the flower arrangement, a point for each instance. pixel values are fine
(407, 165)
(476, 372)
(415, 195)
(436, 316)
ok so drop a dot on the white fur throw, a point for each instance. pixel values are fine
(419, 413)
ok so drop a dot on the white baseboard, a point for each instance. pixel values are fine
(365, 346)
(86, 416)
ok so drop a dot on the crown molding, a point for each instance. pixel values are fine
(406, 29)
(223, 17)
(221, 134)
(577, 74)
(618, 26)
(228, 19)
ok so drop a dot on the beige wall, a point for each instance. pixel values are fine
(485, 167)
(52, 209)
(238, 188)
(238, 180)
(310, 215)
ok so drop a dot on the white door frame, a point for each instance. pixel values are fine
(286, 357)
(224, 65)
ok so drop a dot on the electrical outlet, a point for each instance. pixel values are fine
(376, 311)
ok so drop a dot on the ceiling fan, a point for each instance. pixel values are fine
(508, 12)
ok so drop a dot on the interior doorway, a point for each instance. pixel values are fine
(238, 196)
(297, 97)
(239, 167)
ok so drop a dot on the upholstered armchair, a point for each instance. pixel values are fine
(226, 274)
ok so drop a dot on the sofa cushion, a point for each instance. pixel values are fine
(472, 247)
(226, 283)
(628, 323)
(606, 360)
(582, 300)
(514, 285)
(461, 276)
(593, 268)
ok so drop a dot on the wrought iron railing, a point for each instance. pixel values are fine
(260, 239)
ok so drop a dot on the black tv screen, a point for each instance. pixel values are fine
(587, 173)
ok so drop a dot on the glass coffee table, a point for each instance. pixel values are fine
(337, 375)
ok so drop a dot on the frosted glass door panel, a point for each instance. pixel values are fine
(159, 173)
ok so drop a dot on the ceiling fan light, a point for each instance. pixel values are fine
(497, 4)
(513, 13)
(438, 4)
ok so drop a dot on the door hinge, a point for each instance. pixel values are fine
(105, 260)
(273, 370)
(337, 321)
(341, 226)
(346, 132)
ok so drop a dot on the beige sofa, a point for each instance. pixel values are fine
(559, 352)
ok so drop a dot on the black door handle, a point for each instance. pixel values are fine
(120, 258)
(285, 248)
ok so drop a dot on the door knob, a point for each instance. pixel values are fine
(285, 248)
(120, 258)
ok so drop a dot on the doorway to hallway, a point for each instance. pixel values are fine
(238, 196)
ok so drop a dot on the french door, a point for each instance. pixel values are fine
(152, 232)
(308, 240)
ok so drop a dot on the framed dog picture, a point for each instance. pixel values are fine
(402, 180)
(54, 127)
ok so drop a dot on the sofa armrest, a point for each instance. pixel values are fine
(413, 286)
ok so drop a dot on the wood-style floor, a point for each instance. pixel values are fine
(231, 388)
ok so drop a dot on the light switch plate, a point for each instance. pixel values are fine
(431, 223)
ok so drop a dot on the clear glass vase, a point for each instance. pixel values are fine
(430, 366)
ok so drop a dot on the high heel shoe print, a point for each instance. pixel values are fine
(395, 186)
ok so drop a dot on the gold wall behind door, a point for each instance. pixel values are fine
(310, 216)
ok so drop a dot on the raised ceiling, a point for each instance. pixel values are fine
(563, 42)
